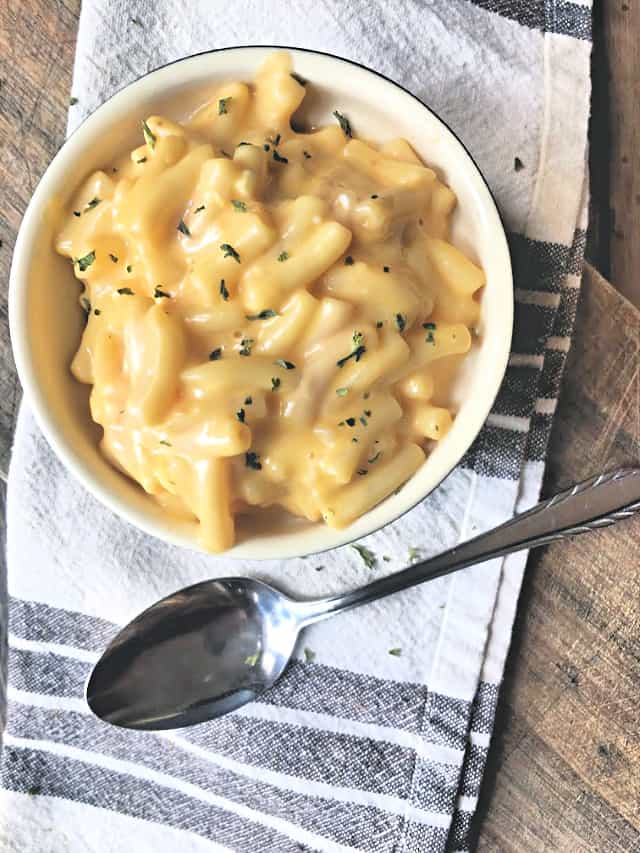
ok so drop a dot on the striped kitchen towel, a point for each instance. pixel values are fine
(356, 749)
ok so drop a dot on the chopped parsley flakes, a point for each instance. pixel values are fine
(85, 262)
(223, 106)
(114, 258)
(182, 228)
(239, 205)
(309, 655)
(252, 660)
(149, 136)
(278, 158)
(348, 261)
(401, 322)
(215, 354)
(248, 401)
(395, 652)
(344, 123)
(283, 256)
(288, 365)
(125, 291)
(166, 443)
(223, 290)
(375, 458)
(159, 294)
(198, 209)
(263, 315)
(342, 392)
(95, 201)
(230, 252)
(72, 101)
(275, 383)
(414, 554)
(307, 156)
(240, 415)
(252, 460)
(357, 352)
(368, 557)
(245, 346)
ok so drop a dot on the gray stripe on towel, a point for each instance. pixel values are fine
(38, 773)
(345, 823)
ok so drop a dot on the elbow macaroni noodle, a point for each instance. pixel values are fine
(273, 317)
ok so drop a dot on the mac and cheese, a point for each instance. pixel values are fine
(273, 316)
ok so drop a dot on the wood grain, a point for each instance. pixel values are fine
(564, 767)
(614, 247)
(37, 44)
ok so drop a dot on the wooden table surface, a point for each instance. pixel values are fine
(564, 769)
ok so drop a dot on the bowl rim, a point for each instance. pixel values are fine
(18, 323)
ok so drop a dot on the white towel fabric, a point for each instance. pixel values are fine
(357, 750)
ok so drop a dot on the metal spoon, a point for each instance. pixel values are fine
(215, 646)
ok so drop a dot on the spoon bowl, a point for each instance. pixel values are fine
(195, 655)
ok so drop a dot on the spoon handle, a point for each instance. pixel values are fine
(590, 505)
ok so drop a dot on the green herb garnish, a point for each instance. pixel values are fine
(230, 252)
(141, 160)
(125, 291)
(198, 209)
(252, 660)
(385, 269)
(166, 443)
(375, 195)
(275, 383)
(413, 554)
(149, 136)
(283, 256)
(368, 557)
(72, 101)
(85, 262)
(431, 326)
(77, 213)
(395, 652)
(362, 471)
(309, 655)
(245, 346)
(159, 294)
(363, 420)
(266, 146)
(375, 458)
(307, 156)
(97, 312)
(95, 201)
(240, 415)
(252, 460)
(263, 315)
(223, 106)
(129, 268)
(288, 365)
(182, 228)
(223, 290)
(401, 322)
(278, 158)
(239, 205)
(350, 422)
(248, 401)
(342, 392)
(114, 258)
(344, 123)
(348, 261)
(357, 352)
(215, 354)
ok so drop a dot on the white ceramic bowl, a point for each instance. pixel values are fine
(46, 321)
